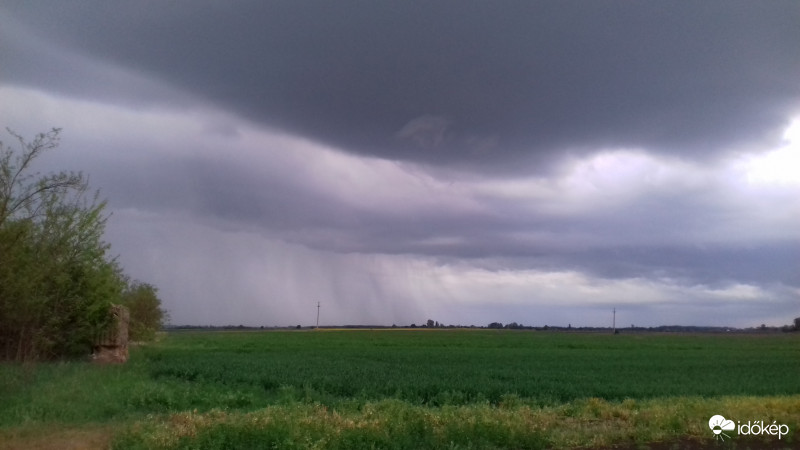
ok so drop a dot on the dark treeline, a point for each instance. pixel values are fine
(57, 279)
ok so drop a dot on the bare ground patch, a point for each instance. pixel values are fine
(56, 438)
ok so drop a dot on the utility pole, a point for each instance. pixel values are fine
(317, 315)
(614, 322)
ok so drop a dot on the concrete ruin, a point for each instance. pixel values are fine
(111, 347)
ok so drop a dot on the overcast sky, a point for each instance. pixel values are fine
(464, 161)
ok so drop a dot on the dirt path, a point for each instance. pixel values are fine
(57, 438)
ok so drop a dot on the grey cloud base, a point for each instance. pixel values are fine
(539, 161)
(508, 85)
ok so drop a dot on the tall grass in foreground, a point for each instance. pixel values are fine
(79, 393)
(395, 424)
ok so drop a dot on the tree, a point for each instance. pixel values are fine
(56, 282)
(497, 325)
(144, 306)
(430, 323)
(21, 199)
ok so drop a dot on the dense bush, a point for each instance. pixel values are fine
(147, 316)
(57, 281)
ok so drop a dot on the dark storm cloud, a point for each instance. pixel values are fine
(475, 84)
(652, 236)
(396, 159)
(33, 60)
(764, 265)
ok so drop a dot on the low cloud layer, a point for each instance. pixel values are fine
(539, 163)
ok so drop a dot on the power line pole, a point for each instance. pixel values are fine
(318, 315)
(614, 322)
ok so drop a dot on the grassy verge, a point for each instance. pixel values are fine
(396, 424)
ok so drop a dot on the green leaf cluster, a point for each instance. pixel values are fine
(144, 306)
(57, 280)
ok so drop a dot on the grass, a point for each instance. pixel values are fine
(395, 424)
(462, 367)
(409, 389)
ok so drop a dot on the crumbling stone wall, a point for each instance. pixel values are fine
(112, 346)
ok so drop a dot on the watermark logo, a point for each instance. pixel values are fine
(719, 425)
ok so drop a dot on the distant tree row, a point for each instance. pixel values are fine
(793, 327)
(496, 325)
(675, 328)
(57, 281)
(510, 326)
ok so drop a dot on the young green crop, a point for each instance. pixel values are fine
(461, 367)
(401, 389)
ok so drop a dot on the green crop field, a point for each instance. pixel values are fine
(409, 389)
